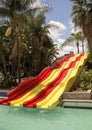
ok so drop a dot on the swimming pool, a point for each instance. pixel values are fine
(13, 118)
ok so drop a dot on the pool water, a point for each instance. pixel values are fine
(13, 118)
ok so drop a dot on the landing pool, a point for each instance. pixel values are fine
(13, 118)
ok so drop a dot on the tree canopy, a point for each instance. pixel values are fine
(82, 17)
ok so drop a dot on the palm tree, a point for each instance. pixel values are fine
(74, 38)
(82, 17)
(82, 39)
(38, 38)
(12, 10)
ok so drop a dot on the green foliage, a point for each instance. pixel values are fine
(5, 83)
(90, 59)
(86, 79)
(86, 75)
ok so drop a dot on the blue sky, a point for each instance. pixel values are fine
(61, 11)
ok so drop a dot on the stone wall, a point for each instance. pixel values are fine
(78, 95)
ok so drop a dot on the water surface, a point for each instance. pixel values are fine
(13, 118)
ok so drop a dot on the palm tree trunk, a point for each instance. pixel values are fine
(16, 26)
(3, 59)
(82, 47)
(90, 44)
(18, 53)
(77, 47)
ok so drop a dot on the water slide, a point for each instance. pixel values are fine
(45, 90)
(28, 84)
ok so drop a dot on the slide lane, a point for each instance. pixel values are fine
(48, 89)
(31, 83)
(53, 98)
(31, 94)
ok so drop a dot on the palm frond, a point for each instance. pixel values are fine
(4, 12)
(69, 41)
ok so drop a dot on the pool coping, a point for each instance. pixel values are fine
(87, 104)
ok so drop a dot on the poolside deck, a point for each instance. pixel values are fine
(77, 100)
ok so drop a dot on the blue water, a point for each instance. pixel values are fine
(13, 118)
(3, 94)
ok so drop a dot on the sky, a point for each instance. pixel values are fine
(60, 12)
(60, 16)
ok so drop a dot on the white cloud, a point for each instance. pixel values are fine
(76, 30)
(66, 50)
(58, 24)
(40, 5)
(60, 41)
(56, 30)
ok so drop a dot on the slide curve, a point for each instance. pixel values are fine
(45, 90)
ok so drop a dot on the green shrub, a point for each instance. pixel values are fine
(86, 79)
